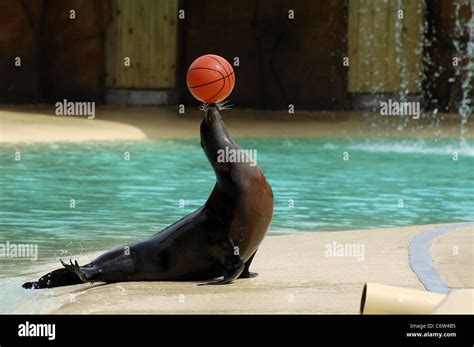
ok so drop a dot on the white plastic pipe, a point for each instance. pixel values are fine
(382, 299)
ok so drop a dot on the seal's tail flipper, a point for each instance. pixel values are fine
(56, 278)
(69, 275)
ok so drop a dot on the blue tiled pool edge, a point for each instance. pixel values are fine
(421, 261)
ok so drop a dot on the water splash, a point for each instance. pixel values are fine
(465, 70)
(427, 45)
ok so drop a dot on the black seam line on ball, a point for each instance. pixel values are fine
(206, 68)
(220, 63)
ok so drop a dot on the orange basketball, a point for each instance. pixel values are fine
(210, 78)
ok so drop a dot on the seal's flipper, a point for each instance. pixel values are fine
(57, 278)
(246, 273)
(75, 269)
(229, 275)
(226, 254)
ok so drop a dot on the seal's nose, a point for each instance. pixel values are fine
(212, 114)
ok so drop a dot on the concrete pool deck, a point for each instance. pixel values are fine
(453, 257)
(296, 275)
(37, 123)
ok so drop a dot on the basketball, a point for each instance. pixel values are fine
(210, 78)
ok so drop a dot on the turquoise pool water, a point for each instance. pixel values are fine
(119, 201)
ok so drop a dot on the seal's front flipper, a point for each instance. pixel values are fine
(246, 273)
(228, 257)
(231, 272)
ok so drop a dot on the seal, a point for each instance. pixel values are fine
(215, 244)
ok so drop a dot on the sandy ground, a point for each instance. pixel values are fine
(295, 276)
(453, 257)
(37, 123)
(37, 127)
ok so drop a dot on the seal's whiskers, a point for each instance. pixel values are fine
(204, 106)
(224, 105)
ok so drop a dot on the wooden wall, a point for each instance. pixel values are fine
(281, 61)
(385, 52)
(18, 37)
(61, 57)
(72, 50)
(146, 32)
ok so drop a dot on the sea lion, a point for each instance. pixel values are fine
(219, 239)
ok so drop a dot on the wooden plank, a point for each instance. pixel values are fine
(111, 35)
(380, 47)
(413, 45)
(385, 51)
(146, 32)
(393, 74)
(365, 45)
(353, 49)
